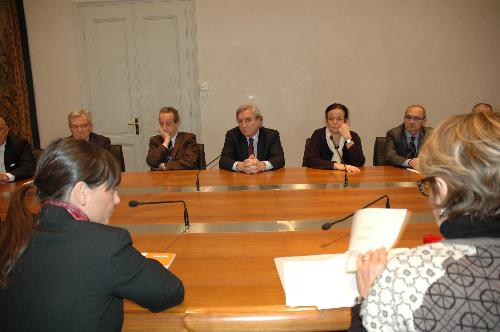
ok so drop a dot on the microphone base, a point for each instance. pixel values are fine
(183, 229)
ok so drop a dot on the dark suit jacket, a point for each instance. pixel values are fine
(74, 275)
(320, 156)
(396, 145)
(100, 140)
(236, 148)
(184, 152)
(18, 157)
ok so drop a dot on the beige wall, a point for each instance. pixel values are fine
(297, 56)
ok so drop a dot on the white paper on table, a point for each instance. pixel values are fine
(374, 228)
(317, 280)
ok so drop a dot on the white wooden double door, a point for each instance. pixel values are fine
(136, 57)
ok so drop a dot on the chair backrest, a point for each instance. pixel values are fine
(201, 156)
(117, 151)
(36, 154)
(306, 147)
(379, 151)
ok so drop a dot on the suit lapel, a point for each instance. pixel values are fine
(421, 138)
(243, 144)
(179, 141)
(261, 143)
(404, 141)
(7, 155)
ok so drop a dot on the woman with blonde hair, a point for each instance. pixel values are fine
(452, 285)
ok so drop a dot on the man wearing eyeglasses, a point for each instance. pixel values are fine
(404, 141)
(80, 125)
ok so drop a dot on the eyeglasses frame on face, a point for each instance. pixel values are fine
(424, 185)
(82, 126)
(414, 118)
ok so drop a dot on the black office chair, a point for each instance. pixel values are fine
(117, 151)
(379, 151)
(306, 147)
(202, 164)
(37, 153)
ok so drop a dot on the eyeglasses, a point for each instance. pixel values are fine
(82, 126)
(425, 185)
(414, 118)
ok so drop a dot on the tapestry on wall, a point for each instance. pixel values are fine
(16, 91)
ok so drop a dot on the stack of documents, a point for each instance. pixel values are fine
(329, 281)
(319, 281)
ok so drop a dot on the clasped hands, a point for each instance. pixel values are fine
(251, 165)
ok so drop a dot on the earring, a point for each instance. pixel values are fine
(443, 213)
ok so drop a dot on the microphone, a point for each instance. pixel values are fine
(346, 180)
(135, 203)
(199, 171)
(328, 225)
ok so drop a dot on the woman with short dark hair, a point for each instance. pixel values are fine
(335, 146)
(64, 269)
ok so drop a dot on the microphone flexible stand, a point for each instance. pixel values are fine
(328, 225)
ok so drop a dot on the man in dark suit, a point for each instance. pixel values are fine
(16, 158)
(251, 148)
(172, 149)
(80, 125)
(404, 142)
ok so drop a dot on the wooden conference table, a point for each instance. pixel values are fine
(239, 224)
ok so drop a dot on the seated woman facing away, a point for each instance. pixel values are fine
(65, 269)
(452, 285)
(333, 146)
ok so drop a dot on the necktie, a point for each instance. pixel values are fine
(250, 147)
(169, 151)
(412, 149)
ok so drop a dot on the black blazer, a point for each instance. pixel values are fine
(74, 275)
(320, 156)
(184, 152)
(100, 140)
(236, 148)
(18, 157)
(396, 144)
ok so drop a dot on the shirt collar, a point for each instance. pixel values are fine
(74, 211)
(409, 136)
(173, 138)
(255, 137)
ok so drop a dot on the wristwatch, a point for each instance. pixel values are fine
(349, 141)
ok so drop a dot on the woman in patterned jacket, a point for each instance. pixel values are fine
(452, 285)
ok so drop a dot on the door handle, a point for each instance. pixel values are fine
(136, 124)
